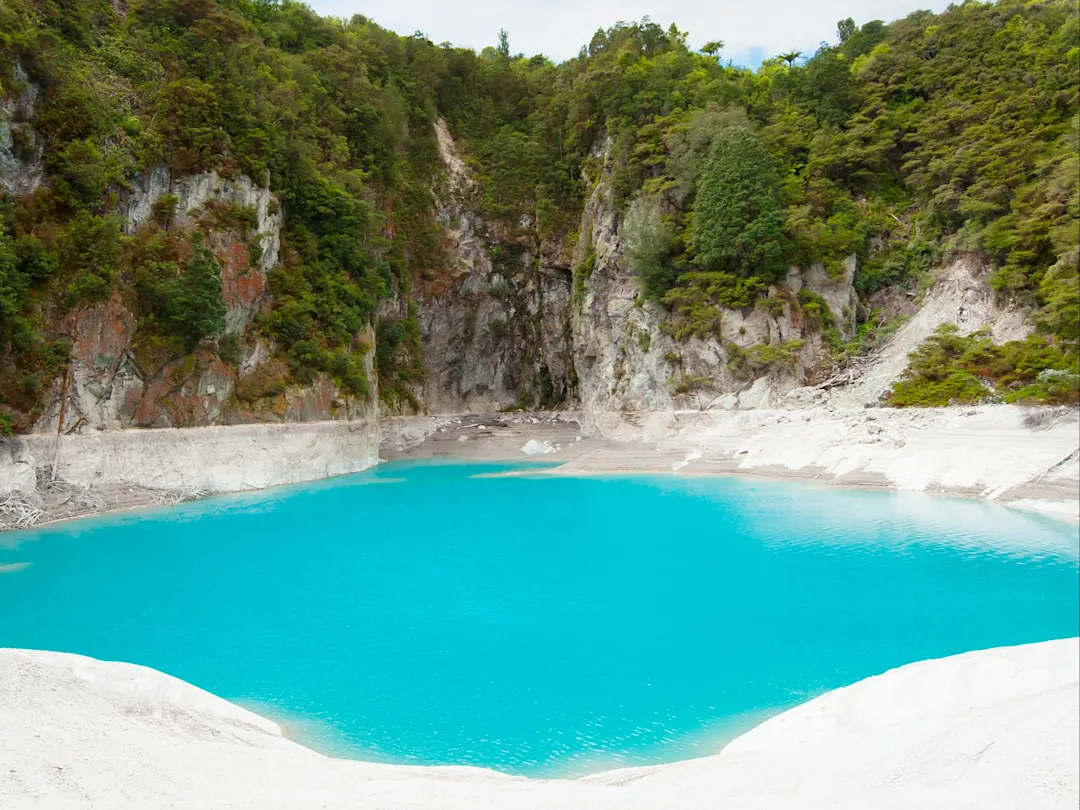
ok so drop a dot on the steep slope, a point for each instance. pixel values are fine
(629, 360)
(495, 321)
(217, 211)
(960, 295)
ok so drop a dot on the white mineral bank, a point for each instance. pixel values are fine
(984, 730)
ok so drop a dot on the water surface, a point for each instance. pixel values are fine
(539, 625)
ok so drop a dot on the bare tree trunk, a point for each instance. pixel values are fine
(60, 421)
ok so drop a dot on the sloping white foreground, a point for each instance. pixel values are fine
(991, 729)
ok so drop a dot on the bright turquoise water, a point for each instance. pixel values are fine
(537, 625)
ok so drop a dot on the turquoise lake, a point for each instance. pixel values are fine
(427, 613)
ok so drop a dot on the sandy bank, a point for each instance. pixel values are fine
(991, 729)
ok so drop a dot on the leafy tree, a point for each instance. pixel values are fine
(649, 244)
(199, 309)
(738, 223)
(186, 304)
(688, 144)
(1060, 291)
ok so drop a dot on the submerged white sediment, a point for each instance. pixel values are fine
(991, 729)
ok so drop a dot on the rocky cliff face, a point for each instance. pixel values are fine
(511, 321)
(514, 321)
(495, 322)
(507, 323)
(626, 360)
(120, 377)
(21, 150)
(243, 281)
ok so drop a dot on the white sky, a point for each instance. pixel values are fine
(751, 29)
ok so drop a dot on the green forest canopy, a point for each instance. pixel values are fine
(899, 143)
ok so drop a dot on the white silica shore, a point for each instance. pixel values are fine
(991, 729)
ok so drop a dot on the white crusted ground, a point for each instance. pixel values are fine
(1029, 458)
(987, 730)
(991, 451)
(214, 459)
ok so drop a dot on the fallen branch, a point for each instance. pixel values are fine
(19, 511)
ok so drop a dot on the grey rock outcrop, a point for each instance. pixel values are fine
(244, 284)
(960, 294)
(21, 148)
(626, 361)
(495, 321)
(510, 322)
(18, 467)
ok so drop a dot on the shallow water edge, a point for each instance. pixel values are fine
(998, 453)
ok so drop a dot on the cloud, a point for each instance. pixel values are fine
(558, 28)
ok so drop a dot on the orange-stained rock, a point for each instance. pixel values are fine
(102, 334)
(242, 285)
(188, 392)
(121, 375)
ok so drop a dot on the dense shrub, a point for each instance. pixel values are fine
(399, 360)
(89, 254)
(738, 224)
(649, 241)
(951, 369)
(187, 303)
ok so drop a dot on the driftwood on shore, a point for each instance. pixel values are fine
(56, 499)
(19, 511)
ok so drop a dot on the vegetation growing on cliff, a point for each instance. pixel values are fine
(900, 144)
(951, 369)
(185, 304)
(334, 116)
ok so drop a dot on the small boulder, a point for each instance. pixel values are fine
(535, 448)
